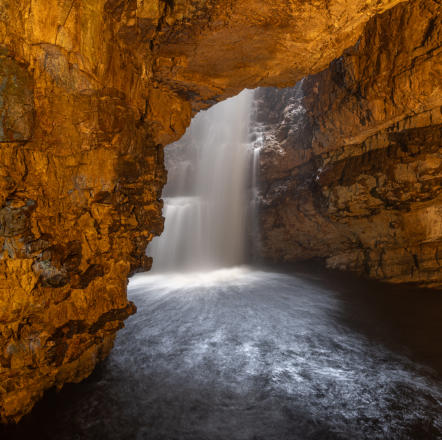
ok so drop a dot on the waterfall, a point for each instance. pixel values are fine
(257, 134)
(206, 197)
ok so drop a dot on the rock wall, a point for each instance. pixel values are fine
(80, 186)
(352, 162)
(90, 92)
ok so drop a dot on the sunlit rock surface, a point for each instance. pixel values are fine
(90, 91)
(352, 162)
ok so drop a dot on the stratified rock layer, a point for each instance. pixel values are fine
(352, 162)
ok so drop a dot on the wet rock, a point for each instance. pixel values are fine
(352, 168)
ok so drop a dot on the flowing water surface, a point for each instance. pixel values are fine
(244, 353)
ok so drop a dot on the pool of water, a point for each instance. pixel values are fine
(246, 353)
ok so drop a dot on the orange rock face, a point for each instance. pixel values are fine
(90, 92)
(354, 174)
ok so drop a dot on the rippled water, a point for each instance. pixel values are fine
(249, 354)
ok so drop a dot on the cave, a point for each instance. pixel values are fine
(252, 189)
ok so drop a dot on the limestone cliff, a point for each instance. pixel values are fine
(352, 162)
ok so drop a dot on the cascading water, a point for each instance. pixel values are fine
(206, 197)
(257, 134)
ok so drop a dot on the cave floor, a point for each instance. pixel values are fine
(248, 353)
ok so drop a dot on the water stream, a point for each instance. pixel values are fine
(249, 354)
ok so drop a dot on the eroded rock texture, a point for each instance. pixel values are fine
(352, 162)
(90, 92)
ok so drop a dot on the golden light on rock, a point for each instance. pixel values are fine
(91, 92)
